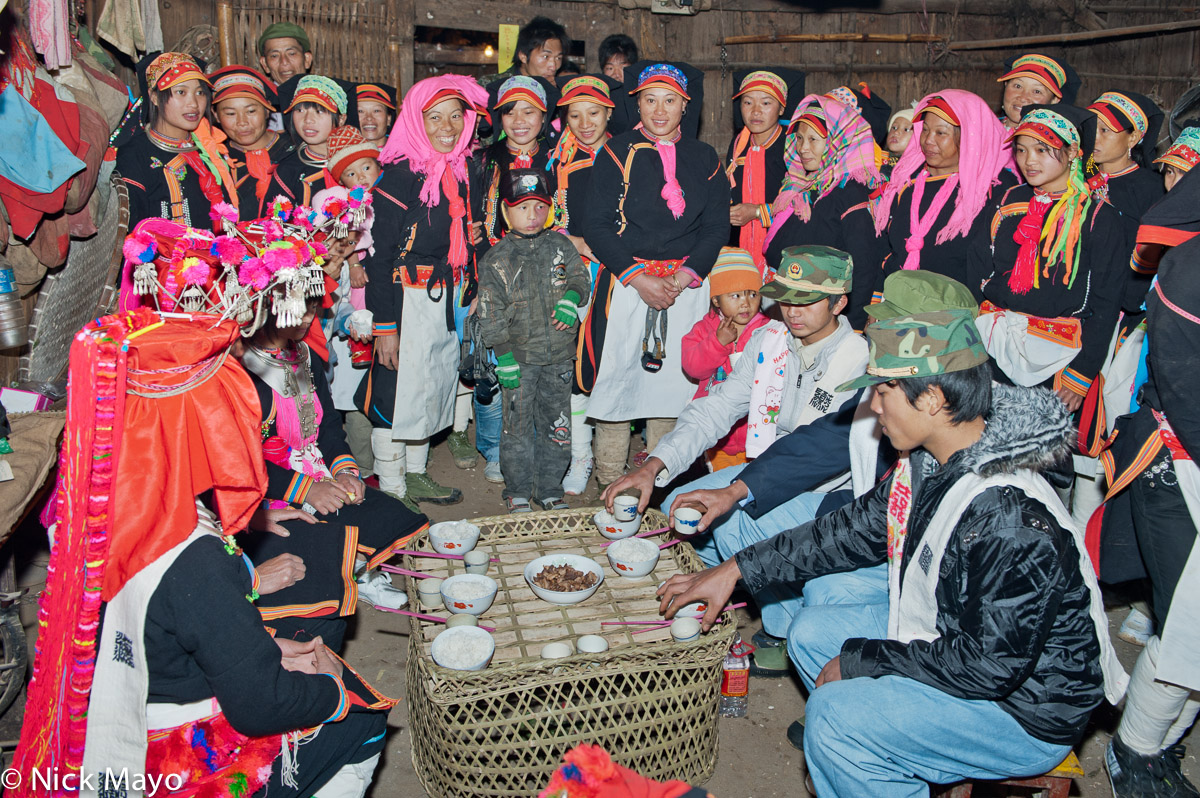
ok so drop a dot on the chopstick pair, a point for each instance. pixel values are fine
(649, 534)
(391, 569)
(422, 616)
(663, 621)
(412, 553)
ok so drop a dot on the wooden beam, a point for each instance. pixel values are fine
(1073, 38)
(486, 15)
(1079, 12)
(225, 32)
(869, 38)
(400, 43)
(441, 54)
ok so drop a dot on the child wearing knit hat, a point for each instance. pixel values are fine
(717, 340)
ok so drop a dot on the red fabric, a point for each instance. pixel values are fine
(26, 209)
(1028, 235)
(173, 448)
(589, 772)
(703, 354)
(213, 759)
(258, 164)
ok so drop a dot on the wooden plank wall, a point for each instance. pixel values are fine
(1161, 66)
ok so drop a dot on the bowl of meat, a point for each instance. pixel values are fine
(564, 578)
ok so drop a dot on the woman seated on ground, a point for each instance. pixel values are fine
(181, 663)
(825, 197)
(243, 101)
(956, 167)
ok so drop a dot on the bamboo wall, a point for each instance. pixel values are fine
(1161, 66)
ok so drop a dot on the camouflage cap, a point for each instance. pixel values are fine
(920, 345)
(809, 273)
(920, 291)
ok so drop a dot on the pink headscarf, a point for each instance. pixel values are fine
(983, 151)
(849, 155)
(408, 142)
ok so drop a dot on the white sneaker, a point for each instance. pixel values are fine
(576, 480)
(491, 472)
(376, 589)
(1137, 628)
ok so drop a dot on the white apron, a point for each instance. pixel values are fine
(427, 374)
(1028, 358)
(624, 391)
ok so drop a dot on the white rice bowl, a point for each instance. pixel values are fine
(609, 527)
(463, 648)
(469, 593)
(453, 537)
(633, 558)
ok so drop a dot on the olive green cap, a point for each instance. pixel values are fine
(920, 345)
(284, 30)
(809, 273)
(920, 291)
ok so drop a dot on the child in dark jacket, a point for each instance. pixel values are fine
(717, 340)
(531, 284)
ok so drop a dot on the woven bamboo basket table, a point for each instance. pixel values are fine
(651, 702)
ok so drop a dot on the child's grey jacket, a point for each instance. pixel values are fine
(520, 282)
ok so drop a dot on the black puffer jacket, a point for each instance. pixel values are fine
(1013, 608)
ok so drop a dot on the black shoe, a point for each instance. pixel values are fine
(795, 734)
(1134, 775)
(761, 639)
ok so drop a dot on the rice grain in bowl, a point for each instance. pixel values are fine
(453, 537)
(469, 593)
(463, 648)
(633, 558)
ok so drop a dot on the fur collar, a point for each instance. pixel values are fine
(1027, 428)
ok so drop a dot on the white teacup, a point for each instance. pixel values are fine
(625, 508)
(685, 630)
(430, 592)
(687, 520)
(476, 562)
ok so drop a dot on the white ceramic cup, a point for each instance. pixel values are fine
(476, 562)
(461, 619)
(687, 520)
(556, 650)
(430, 591)
(591, 644)
(625, 508)
(685, 630)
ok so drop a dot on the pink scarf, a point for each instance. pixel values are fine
(443, 171)
(849, 156)
(672, 192)
(983, 151)
(408, 141)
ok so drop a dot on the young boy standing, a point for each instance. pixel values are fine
(531, 284)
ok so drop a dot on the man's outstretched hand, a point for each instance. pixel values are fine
(716, 503)
(712, 586)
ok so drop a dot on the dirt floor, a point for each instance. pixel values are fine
(755, 758)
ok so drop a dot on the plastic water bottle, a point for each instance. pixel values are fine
(735, 679)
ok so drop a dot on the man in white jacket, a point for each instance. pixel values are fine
(787, 377)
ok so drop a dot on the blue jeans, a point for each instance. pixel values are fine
(889, 736)
(489, 421)
(736, 530)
